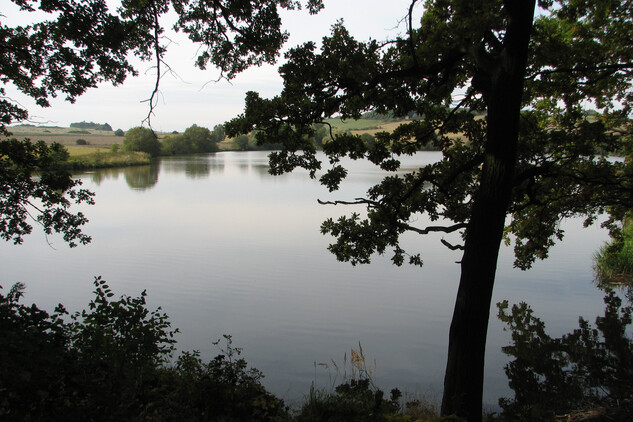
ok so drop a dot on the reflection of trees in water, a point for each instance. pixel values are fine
(195, 167)
(200, 169)
(141, 177)
(98, 176)
(261, 168)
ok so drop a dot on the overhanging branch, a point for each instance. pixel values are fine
(432, 229)
(357, 201)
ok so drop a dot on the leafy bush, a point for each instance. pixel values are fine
(111, 362)
(590, 368)
(102, 362)
(119, 132)
(194, 140)
(224, 388)
(201, 138)
(143, 140)
(81, 142)
(176, 145)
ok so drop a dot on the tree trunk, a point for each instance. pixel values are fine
(463, 382)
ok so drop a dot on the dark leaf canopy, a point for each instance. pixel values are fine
(447, 68)
(44, 200)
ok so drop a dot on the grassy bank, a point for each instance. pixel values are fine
(82, 158)
(614, 261)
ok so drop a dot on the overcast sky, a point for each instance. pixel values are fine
(194, 97)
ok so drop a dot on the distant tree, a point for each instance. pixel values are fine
(241, 142)
(218, 134)
(176, 144)
(141, 139)
(201, 138)
(369, 140)
(119, 132)
(81, 142)
(321, 132)
(92, 125)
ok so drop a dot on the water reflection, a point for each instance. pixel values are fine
(195, 166)
(142, 177)
(101, 175)
(226, 248)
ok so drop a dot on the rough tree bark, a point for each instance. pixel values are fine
(502, 82)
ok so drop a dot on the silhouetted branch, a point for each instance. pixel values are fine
(357, 201)
(430, 229)
(451, 246)
(157, 51)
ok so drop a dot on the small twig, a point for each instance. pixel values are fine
(451, 246)
(152, 98)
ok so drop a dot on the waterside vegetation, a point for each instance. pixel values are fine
(614, 261)
(91, 145)
(114, 361)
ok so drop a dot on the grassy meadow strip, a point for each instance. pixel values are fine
(82, 158)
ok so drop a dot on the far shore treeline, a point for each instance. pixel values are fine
(89, 145)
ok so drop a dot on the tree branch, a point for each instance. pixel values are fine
(431, 229)
(451, 246)
(157, 52)
(614, 67)
(411, 35)
(357, 201)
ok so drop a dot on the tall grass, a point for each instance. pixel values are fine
(614, 261)
(90, 158)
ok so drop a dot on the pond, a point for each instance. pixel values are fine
(223, 247)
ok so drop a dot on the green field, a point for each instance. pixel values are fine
(66, 136)
(96, 154)
(361, 124)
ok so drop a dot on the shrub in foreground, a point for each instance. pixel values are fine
(111, 362)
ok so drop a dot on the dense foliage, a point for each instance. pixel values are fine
(503, 91)
(586, 371)
(73, 45)
(141, 139)
(45, 199)
(92, 125)
(111, 362)
(195, 139)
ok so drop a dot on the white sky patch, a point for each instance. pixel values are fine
(194, 96)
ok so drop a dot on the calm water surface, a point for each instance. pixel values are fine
(224, 247)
